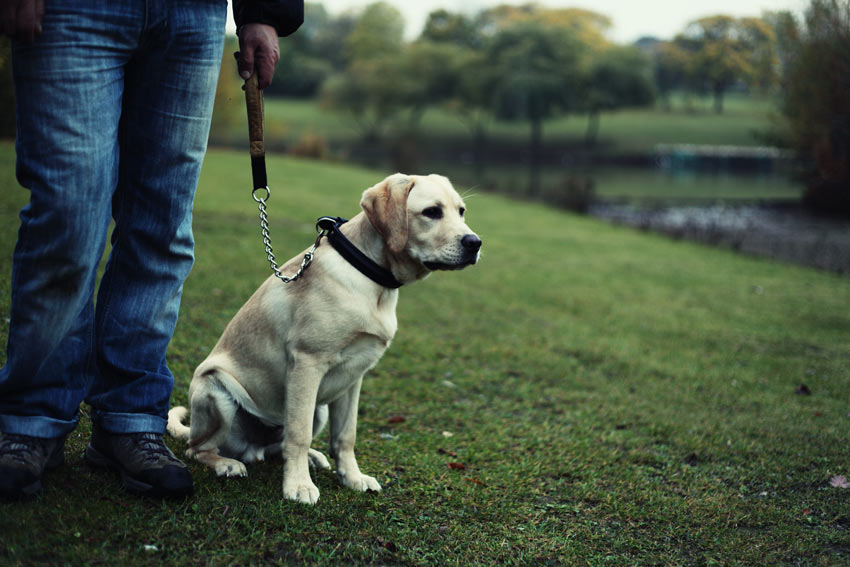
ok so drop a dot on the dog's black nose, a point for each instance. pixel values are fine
(471, 242)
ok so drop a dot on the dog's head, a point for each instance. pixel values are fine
(422, 217)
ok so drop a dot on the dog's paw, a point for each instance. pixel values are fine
(303, 492)
(230, 467)
(318, 460)
(360, 483)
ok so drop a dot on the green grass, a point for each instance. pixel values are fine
(623, 131)
(617, 398)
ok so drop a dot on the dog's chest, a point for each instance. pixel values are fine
(349, 365)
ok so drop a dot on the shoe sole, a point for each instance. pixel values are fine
(134, 485)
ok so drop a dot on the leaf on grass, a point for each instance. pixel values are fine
(397, 419)
(446, 452)
(473, 480)
(803, 390)
(388, 545)
(839, 481)
(456, 466)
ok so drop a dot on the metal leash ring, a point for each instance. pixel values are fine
(261, 199)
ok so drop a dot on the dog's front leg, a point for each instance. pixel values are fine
(301, 390)
(343, 422)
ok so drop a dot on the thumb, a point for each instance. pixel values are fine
(245, 62)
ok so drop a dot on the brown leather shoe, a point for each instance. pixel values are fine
(23, 460)
(146, 466)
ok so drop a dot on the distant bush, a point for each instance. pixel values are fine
(310, 146)
(575, 193)
(815, 101)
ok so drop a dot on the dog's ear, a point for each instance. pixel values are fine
(385, 206)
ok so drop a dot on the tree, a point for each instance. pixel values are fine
(619, 77)
(670, 68)
(445, 27)
(429, 74)
(724, 50)
(816, 104)
(305, 63)
(369, 92)
(369, 87)
(584, 26)
(330, 39)
(533, 72)
(378, 32)
(759, 41)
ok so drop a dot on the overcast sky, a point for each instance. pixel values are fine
(631, 18)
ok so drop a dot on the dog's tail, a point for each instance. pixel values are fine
(175, 425)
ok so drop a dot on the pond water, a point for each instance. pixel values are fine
(744, 199)
(782, 231)
(754, 211)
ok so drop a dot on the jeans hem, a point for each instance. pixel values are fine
(37, 426)
(122, 423)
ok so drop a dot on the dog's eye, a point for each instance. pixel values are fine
(433, 213)
(462, 211)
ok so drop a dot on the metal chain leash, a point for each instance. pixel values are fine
(264, 225)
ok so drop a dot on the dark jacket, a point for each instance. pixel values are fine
(285, 15)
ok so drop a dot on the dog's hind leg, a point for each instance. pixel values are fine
(213, 410)
(223, 466)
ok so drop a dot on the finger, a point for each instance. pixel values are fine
(265, 69)
(245, 62)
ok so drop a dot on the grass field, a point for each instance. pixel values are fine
(615, 398)
(623, 131)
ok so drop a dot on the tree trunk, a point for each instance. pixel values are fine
(718, 99)
(479, 149)
(592, 128)
(535, 148)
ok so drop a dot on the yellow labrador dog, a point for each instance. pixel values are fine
(295, 354)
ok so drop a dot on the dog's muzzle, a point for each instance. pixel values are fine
(470, 246)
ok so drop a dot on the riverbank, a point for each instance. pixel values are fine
(782, 231)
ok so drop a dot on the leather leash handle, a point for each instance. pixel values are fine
(254, 103)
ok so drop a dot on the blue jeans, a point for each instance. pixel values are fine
(113, 106)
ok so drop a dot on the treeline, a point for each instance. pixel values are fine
(514, 63)
(531, 63)
(815, 100)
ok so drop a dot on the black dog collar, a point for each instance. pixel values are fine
(378, 274)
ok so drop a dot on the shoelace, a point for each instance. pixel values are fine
(152, 446)
(21, 448)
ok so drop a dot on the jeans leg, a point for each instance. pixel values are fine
(68, 100)
(168, 99)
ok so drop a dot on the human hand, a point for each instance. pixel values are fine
(21, 19)
(258, 50)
